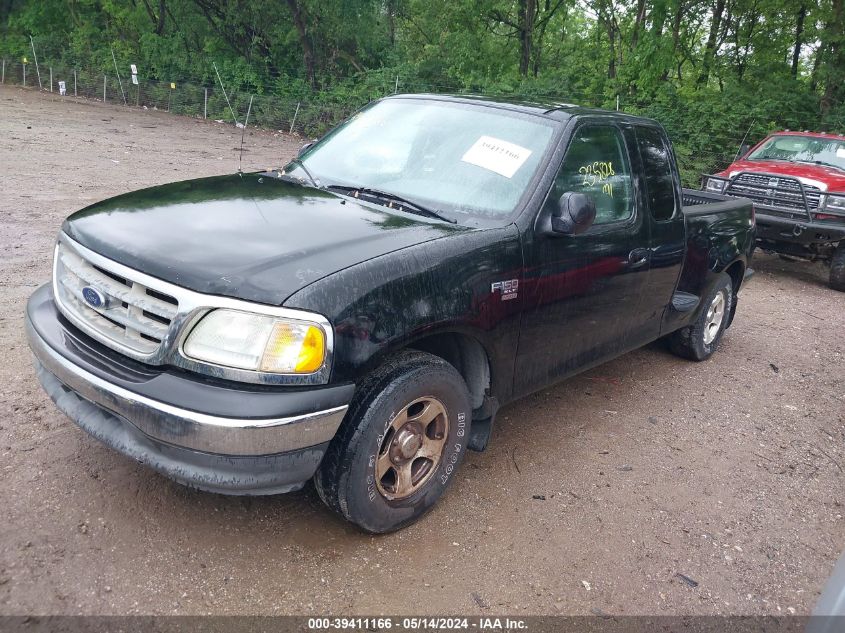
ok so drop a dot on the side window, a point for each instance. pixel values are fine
(657, 168)
(596, 164)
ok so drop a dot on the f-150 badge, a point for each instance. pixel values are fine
(508, 288)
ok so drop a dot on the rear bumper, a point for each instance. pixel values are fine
(191, 430)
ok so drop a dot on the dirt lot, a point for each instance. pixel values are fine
(728, 472)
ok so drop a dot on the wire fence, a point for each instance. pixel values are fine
(186, 99)
(290, 115)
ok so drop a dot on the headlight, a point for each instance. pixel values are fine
(835, 203)
(714, 184)
(257, 342)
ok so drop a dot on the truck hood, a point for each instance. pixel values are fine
(825, 178)
(248, 236)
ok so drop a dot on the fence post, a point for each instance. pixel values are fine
(3, 80)
(205, 104)
(104, 88)
(51, 79)
(74, 82)
(292, 123)
(117, 72)
(24, 74)
(35, 55)
(396, 87)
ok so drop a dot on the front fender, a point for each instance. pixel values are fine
(443, 286)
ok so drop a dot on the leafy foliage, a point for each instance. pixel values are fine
(713, 71)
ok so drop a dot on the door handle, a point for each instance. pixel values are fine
(638, 257)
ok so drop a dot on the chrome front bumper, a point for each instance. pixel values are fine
(190, 429)
(211, 443)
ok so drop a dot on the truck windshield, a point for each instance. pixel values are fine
(802, 149)
(452, 158)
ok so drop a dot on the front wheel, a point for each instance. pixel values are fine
(837, 268)
(400, 444)
(699, 340)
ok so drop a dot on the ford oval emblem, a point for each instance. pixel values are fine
(94, 297)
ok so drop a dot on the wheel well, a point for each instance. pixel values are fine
(736, 271)
(464, 353)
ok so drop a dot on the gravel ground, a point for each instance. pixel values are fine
(614, 492)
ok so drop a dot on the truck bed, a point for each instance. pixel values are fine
(718, 228)
(698, 202)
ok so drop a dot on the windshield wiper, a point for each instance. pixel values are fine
(298, 162)
(821, 162)
(392, 197)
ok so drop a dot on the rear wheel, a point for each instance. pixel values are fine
(701, 339)
(837, 268)
(400, 444)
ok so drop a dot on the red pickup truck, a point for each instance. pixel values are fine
(797, 183)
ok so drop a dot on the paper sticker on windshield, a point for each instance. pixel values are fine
(496, 155)
(840, 152)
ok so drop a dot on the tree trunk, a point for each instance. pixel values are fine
(710, 47)
(635, 36)
(538, 52)
(604, 11)
(817, 64)
(799, 34)
(162, 14)
(611, 64)
(743, 50)
(156, 18)
(548, 11)
(304, 40)
(391, 21)
(526, 19)
(658, 18)
(834, 92)
(677, 21)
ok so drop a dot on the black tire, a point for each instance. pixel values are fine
(694, 342)
(347, 478)
(837, 268)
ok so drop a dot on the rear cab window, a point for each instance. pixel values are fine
(658, 173)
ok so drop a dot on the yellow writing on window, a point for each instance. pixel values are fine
(598, 173)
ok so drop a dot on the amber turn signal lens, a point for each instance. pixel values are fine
(294, 348)
(313, 351)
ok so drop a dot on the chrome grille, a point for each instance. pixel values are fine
(146, 318)
(780, 194)
(134, 316)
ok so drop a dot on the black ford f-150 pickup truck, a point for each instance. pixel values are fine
(359, 316)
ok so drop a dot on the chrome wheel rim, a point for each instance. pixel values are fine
(412, 448)
(715, 316)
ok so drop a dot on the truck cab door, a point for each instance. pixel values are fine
(661, 201)
(583, 293)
